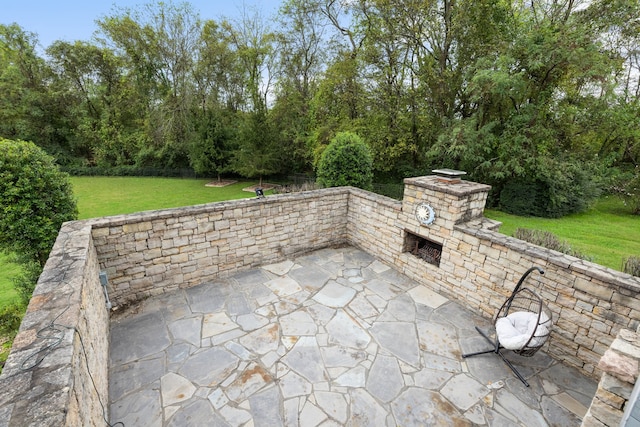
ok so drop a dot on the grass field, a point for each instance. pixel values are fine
(608, 232)
(101, 196)
(7, 271)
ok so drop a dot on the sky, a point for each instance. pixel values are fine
(72, 20)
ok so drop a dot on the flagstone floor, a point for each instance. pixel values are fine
(331, 338)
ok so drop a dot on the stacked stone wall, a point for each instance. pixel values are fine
(374, 225)
(56, 373)
(590, 303)
(150, 253)
(480, 267)
(153, 252)
(619, 367)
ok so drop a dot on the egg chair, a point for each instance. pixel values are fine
(522, 325)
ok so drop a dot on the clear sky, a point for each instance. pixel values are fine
(71, 20)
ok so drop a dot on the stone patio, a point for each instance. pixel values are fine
(331, 338)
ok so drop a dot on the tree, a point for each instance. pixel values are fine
(388, 53)
(251, 39)
(532, 98)
(30, 107)
(159, 42)
(301, 52)
(218, 74)
(256, 152)
(35, 199)
(106, 116)
(210, 152)
(503, 90)
(347, 160)
(256, 149)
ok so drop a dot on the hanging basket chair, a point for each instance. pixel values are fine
(523, 324)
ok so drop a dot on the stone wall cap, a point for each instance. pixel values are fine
(607, 275)
(626, 346)
(115, 220)
(459, 189)
(630, 336)
(374, 197)
(481, 223)
(622, 367)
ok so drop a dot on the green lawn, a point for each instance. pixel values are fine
(8, 295)
(608, 232)
(101, 196)
(7, 271)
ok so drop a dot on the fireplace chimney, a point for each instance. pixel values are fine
(449, 176)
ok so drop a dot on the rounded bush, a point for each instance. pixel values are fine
(347, 160)
(525, 198)
(35, 199)
(555, 188)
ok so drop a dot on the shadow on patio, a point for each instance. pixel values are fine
(331, 338)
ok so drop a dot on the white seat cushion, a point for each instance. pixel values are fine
(514, 330)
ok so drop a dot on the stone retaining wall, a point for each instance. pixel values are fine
(153, 252)
(66, 384)
(590, 303)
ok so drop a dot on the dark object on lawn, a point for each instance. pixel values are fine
(259, 193)
(523, 325)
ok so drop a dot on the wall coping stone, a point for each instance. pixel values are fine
(384, 201)
(462, 188)
(158, 214)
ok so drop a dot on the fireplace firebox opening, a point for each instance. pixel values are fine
(423, 248)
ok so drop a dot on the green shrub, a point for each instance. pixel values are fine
(10, 318)
(25, 282)
(552, 189)
(524, 198)
(347, 160)
(130, 170)
(631, 265)
(295, 188)
(395, 191)
(547, 240)
(35, 199)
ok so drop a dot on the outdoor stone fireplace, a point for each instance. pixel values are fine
(151, 253)
(425, 249)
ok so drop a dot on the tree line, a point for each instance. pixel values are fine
(538, 98)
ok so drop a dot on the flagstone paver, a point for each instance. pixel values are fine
(332, 338)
